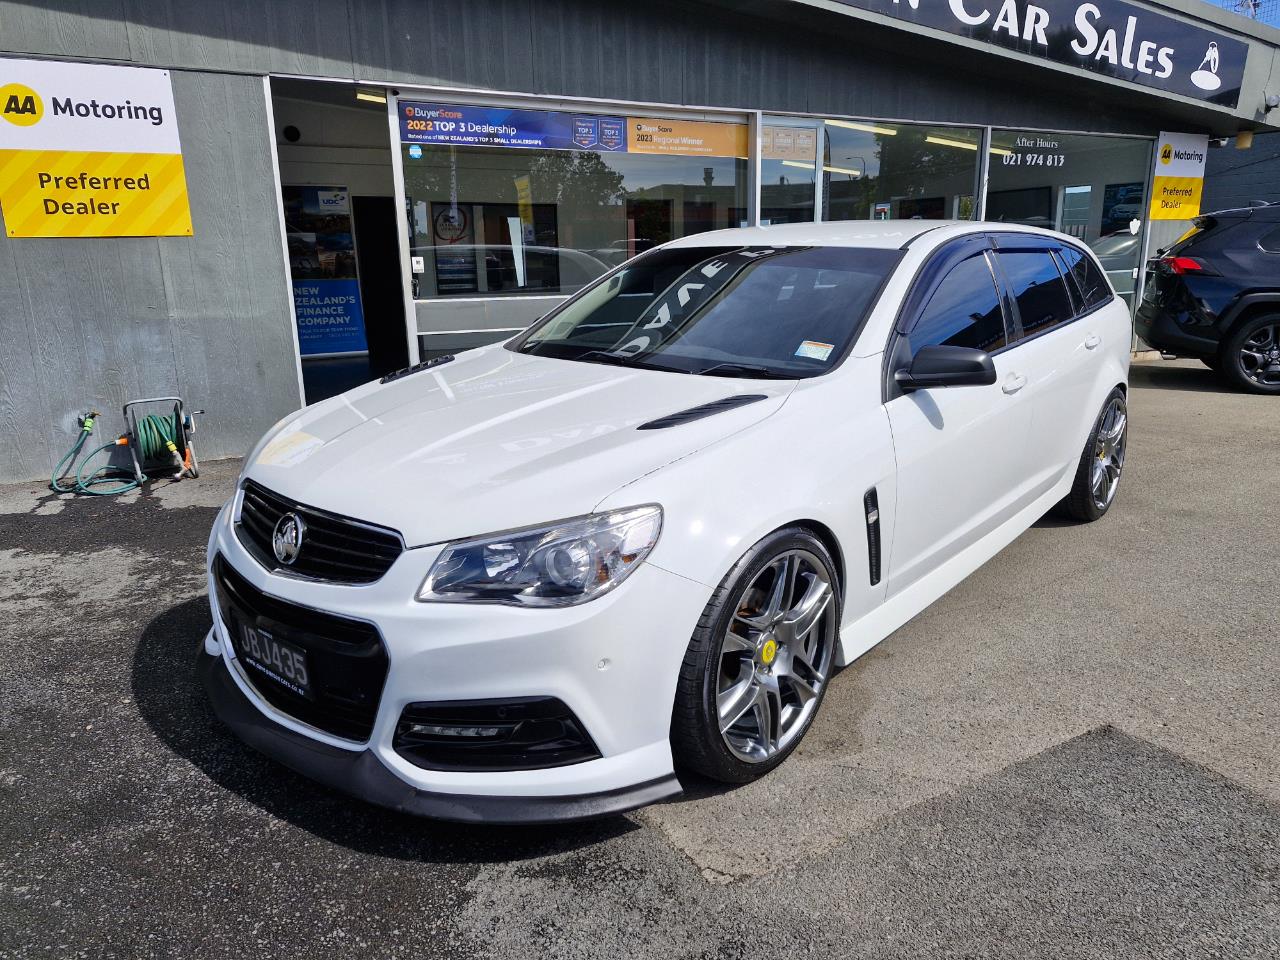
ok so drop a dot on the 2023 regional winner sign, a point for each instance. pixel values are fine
(1110, 37)
(88, 150)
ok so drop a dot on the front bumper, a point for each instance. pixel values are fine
(363, 775)
(613, 661)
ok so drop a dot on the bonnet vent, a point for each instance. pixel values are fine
(705, 410)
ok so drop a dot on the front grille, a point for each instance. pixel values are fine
(334, 548)
(345, 659)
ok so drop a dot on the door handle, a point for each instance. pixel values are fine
(1091, 341)
(1013, 383)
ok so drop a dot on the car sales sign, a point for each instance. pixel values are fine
(89, 150)
(1110, 37)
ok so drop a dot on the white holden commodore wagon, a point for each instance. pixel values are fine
(538, 580)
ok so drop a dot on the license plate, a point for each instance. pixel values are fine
(283, 663)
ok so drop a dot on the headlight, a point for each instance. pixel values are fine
(556, 565)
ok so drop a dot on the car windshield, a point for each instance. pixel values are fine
(766, 312)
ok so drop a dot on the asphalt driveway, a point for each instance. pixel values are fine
(1073, 754)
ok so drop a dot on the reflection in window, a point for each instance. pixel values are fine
(1089, 283)
(502, 221)
(893, 171)
(964, 311)
(1037, 288)
(751, 311)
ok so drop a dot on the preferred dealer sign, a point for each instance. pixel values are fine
(88, 150)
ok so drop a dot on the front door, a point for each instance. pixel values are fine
(961, 451)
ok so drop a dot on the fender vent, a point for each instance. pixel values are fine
(705, 410)
(871, 502)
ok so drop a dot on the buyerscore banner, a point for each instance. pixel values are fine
(1110, 37)
(1178, 179)
(473, 126)
(88, 150)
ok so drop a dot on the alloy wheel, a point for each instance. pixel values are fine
(1260, 356)
(776, 656)
(1108, 453)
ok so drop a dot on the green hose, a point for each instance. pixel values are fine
(156, 441)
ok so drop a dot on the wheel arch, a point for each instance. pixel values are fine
(1248, 307)
(829, 540)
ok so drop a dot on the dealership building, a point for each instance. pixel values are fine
(256, 207)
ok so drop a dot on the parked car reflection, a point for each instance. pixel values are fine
(1119, 254)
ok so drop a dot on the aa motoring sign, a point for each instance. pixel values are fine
(88, 150)
(1110, 37)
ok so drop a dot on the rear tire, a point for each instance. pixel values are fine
(1250, 356)
(759, 662)
(1101, 463)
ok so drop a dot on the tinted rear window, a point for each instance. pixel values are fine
(1090, 283)
(1037, 288)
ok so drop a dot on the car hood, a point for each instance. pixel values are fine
(494, 440)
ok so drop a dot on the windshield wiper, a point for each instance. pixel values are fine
(604, 357)
(749, 370)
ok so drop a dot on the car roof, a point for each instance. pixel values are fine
(873, 234)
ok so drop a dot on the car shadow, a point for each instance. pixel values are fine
(1178, 376)
(172, 702)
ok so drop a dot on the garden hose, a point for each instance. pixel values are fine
(156, 442)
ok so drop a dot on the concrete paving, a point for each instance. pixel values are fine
(1073, 754)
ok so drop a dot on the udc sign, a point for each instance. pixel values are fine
(1110, 37)
(88, 150)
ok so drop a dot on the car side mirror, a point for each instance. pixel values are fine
(939, 365)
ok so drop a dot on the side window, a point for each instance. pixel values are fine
(1270, 241)
(1089, 281)
(1037, 288)
(964, 310)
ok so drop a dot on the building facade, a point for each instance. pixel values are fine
(371, 182)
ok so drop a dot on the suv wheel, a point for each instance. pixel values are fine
(759, 661)
(1250, 357)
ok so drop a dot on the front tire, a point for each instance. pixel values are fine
(1098, 474)
(1250, 357)
(758, 663)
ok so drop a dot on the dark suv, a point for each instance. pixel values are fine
(1215, 295)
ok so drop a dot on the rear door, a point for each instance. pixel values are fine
(961, 451)
(1055, 347)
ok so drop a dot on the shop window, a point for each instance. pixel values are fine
(510, 202)
(1090, 187)
(788, 172)
(873, 170)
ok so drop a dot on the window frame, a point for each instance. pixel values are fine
(929, 276)
(1034, 243)
(1083, 310)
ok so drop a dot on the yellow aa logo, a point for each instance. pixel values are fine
(1166, 153)
(20, 105)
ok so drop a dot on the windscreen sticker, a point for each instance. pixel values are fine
(814, 350)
